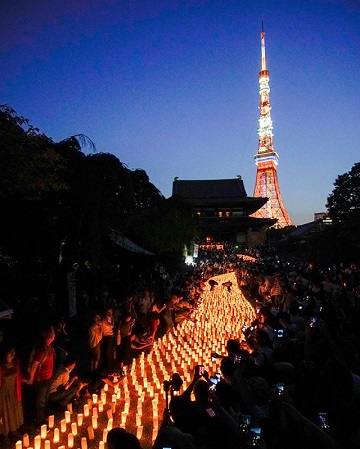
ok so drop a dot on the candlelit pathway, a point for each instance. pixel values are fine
(139, 402)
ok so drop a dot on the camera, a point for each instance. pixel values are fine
(237, 358)
(255, 436)
(280, 388)
(244, 422)
(312, 321)
(213, 382)
(323, 420)
(210, 412)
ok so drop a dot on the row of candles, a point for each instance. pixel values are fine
(220, 316)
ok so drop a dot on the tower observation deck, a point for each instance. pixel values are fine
(266, 159)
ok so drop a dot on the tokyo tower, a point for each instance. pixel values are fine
(266, 159)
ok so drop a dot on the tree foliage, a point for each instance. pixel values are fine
(344, 202)
(60, 203)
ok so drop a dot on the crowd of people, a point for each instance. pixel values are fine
(291, 379)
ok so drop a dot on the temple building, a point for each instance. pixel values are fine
(223, 209)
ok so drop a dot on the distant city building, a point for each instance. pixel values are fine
(319, 215)
(266, 159)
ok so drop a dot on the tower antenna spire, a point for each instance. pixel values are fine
(263, 57)
(266, 159)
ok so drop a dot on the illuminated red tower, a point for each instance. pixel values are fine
(266, 159)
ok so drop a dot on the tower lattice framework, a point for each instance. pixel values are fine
(266, 159)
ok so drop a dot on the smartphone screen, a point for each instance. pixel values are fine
(201, 370)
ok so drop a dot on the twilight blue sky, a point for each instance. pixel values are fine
(171, 86)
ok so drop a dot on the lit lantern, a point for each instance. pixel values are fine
(56, 438)
(63, 425)
(43, 431)
(70, 440)
(90, 431)
(51, 421)
(37, 442)
(80, 418)
(74, 429)
(26, 440)
(67, 416)
(86, 409)
(94, 398)
(139, 431)
(101, 406)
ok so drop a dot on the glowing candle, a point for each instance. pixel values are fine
(69, 408)
(113, 407)
(139, 431)
(26, 440)
(86, 409)
(156, 422)
(101, 406)
(110, 424)
(63, 425)
(94, 422)
(118, 394)
(154, 434)
(67, 416)
(83, 443)
(70, 440)
(109, 414)
(51, 421)
(105, 432)
(74, 430)
(37, 442)
(43, 430)
(47, 444)
(103, 398)
(106, 387)
(138, 419)
(101, 445)
(123, 417)
(80, 418)
(90, 431)
(94, 398)
(18, 444)
(95, 412)
(113, 398)
(90, 403)
(56, 435)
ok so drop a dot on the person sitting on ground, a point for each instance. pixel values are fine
(63, 388)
